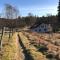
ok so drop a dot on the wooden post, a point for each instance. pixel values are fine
(0, 45)
(2, 33)
(9, 33)
(12, 31)
(1, 38)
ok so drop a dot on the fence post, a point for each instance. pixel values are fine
(1, 38)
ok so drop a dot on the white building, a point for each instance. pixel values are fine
(42, 28)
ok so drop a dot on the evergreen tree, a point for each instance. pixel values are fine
(59, 12)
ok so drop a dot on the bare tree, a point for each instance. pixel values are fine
(10, 11)
(31, 18)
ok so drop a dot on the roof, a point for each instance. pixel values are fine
(36, 25)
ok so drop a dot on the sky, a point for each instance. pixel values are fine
(36, 7)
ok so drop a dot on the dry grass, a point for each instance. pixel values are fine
(10, 49)
(31, 49)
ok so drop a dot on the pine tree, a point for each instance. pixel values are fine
(59, 12)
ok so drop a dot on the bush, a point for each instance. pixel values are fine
(43, 49)
(49, 56)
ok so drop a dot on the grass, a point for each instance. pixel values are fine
(10, 49)
(7, 48)
(31, 49)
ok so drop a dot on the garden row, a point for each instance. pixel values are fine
(44, 45)
(11, 49)
(34, 54)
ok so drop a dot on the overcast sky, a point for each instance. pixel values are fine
(36, 7)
